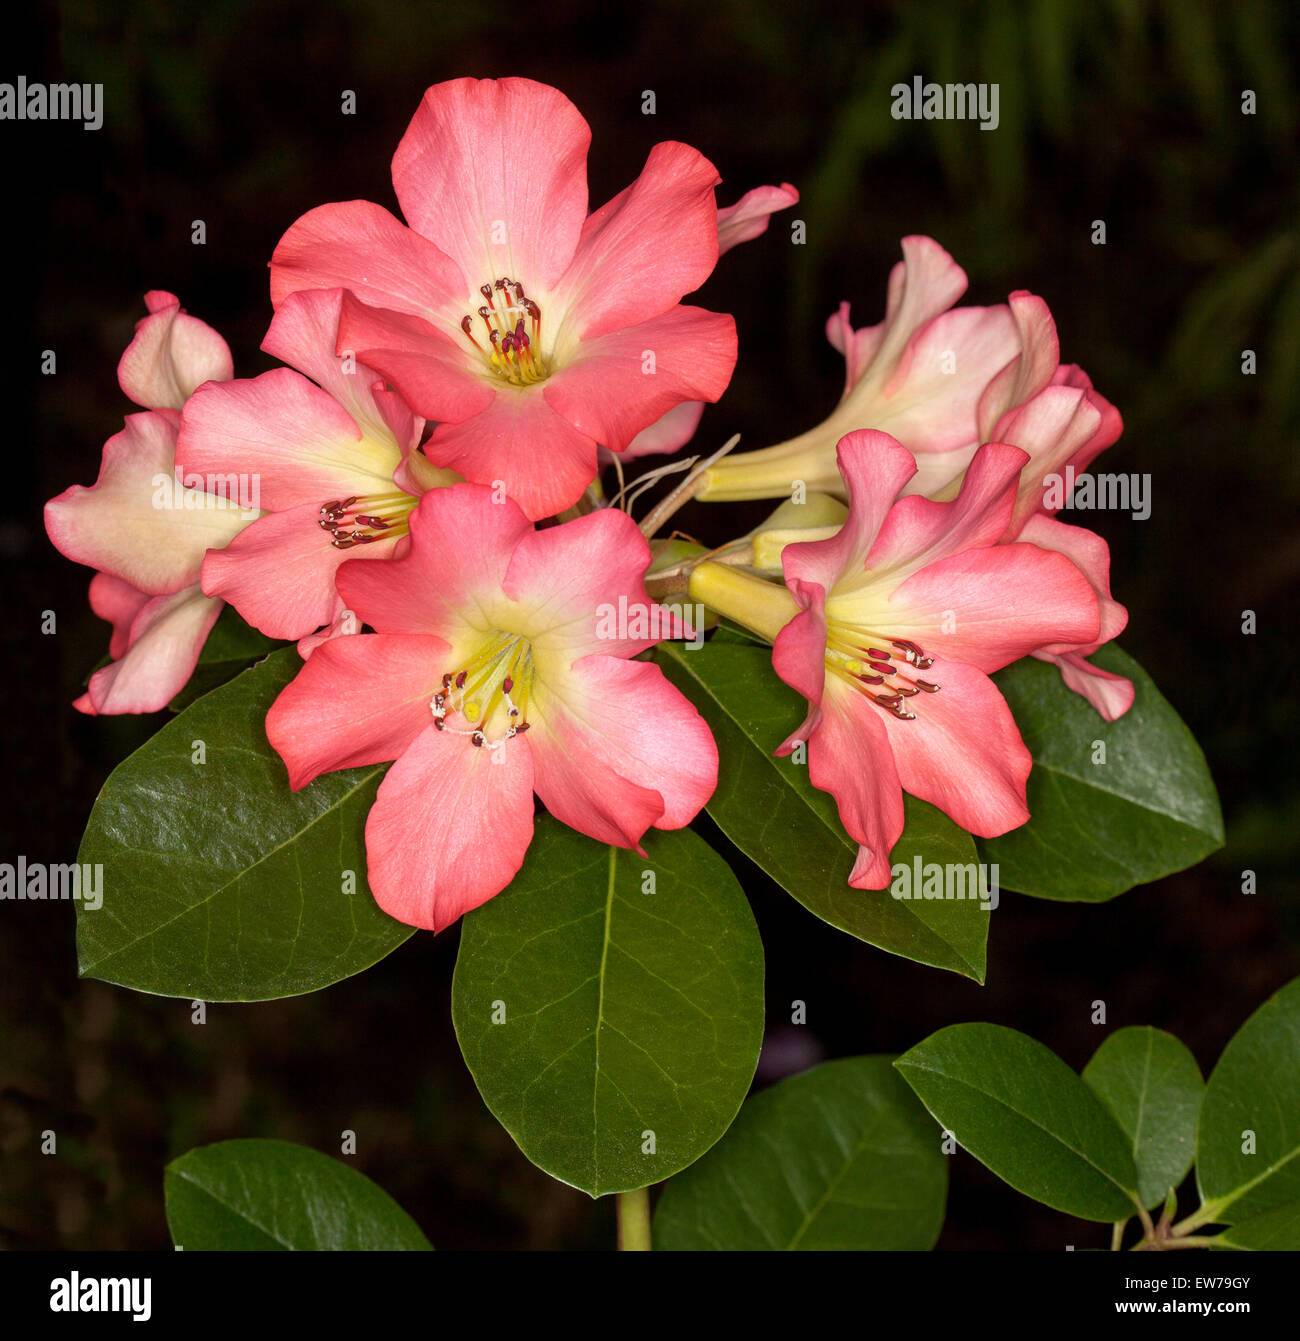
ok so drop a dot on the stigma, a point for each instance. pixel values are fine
(489, 694)
(868, 664)
(361, 520)
(512, 330)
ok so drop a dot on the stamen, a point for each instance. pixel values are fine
(481, 692)
(514, 353)
(847, 644)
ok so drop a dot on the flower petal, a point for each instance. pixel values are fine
(279, 573)
(494, 172)
(607, 393)
(618, 749)
(359, 700)
(1112, 695)
(749, 216)
(135, 521)
(989, 607)
(519, 444)
(449, 828)
(119, 603)
(849, 756)
(171, 355)
(963, 752)
(360, 246)
(166, 638)
(294, 439)
(461, 545)
(643, 251)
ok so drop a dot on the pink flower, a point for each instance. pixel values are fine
(890, 629)
(337, 463)
(142, 528)
(528, 329)
(498, 668)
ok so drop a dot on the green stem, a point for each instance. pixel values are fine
(634, 1221)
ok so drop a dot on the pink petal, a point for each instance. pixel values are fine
(279, 573)
(919, 531)
(439, 377)
(494, 172)
(989, 607)
(119, 603)
(875, 468)
(577, 578)
(359, 700)
(449, 828)
(849, 756)
(749, 216)
(1033, 366)
(166, 638)
(360, 246)
(1091, 556)
(666, 435)
(606, 392)
(520, 445)
(171, 355)
(799, 652)
(304, 333)
(963, 752)
(925, 283)
(858, 347)
(655, 242)
(127, 523)
(461, 545)
(297, 441)
(343, 624)
(618, 749)
(1111, 694)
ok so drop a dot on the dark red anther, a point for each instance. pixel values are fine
(446, 680)
(439, 724)
(508, 344)
(507, 684)
(884, 667)
(927, 686)
(326, 524)
(533, 310)
(521, 728)
(872, 679)
(329, 507)
(343, 542)
(461, 678)
(378, 522)
(486, 291)
(486, 315)
(906, 693)
(476, 738)
(876, 654)
(467, 325)
(363, 537)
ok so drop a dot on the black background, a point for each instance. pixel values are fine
(229, 111)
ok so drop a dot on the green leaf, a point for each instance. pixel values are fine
(1276, 1230)
(1253, 1101)
(840, 1157)
(231, 647)
(273, 1196)
(1017, 1107)
(1152, 1086)
(1098, 829)
(219, 883)
(777, 818)
(612, 1031)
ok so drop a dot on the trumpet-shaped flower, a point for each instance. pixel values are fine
(530, 331)
(890, 629)
(142, 528)
(498, 669)
(336, 459)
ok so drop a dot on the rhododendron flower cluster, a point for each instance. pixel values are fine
(432, 531)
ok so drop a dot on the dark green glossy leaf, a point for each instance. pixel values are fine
(1098, 829)
(274, 1196)
(773, 813)
(219, 883)
(1017, 1107)
(840, 1157)
(1248, 1141)
(612, 1031)
(1272, 1231)
(1152, 1086)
